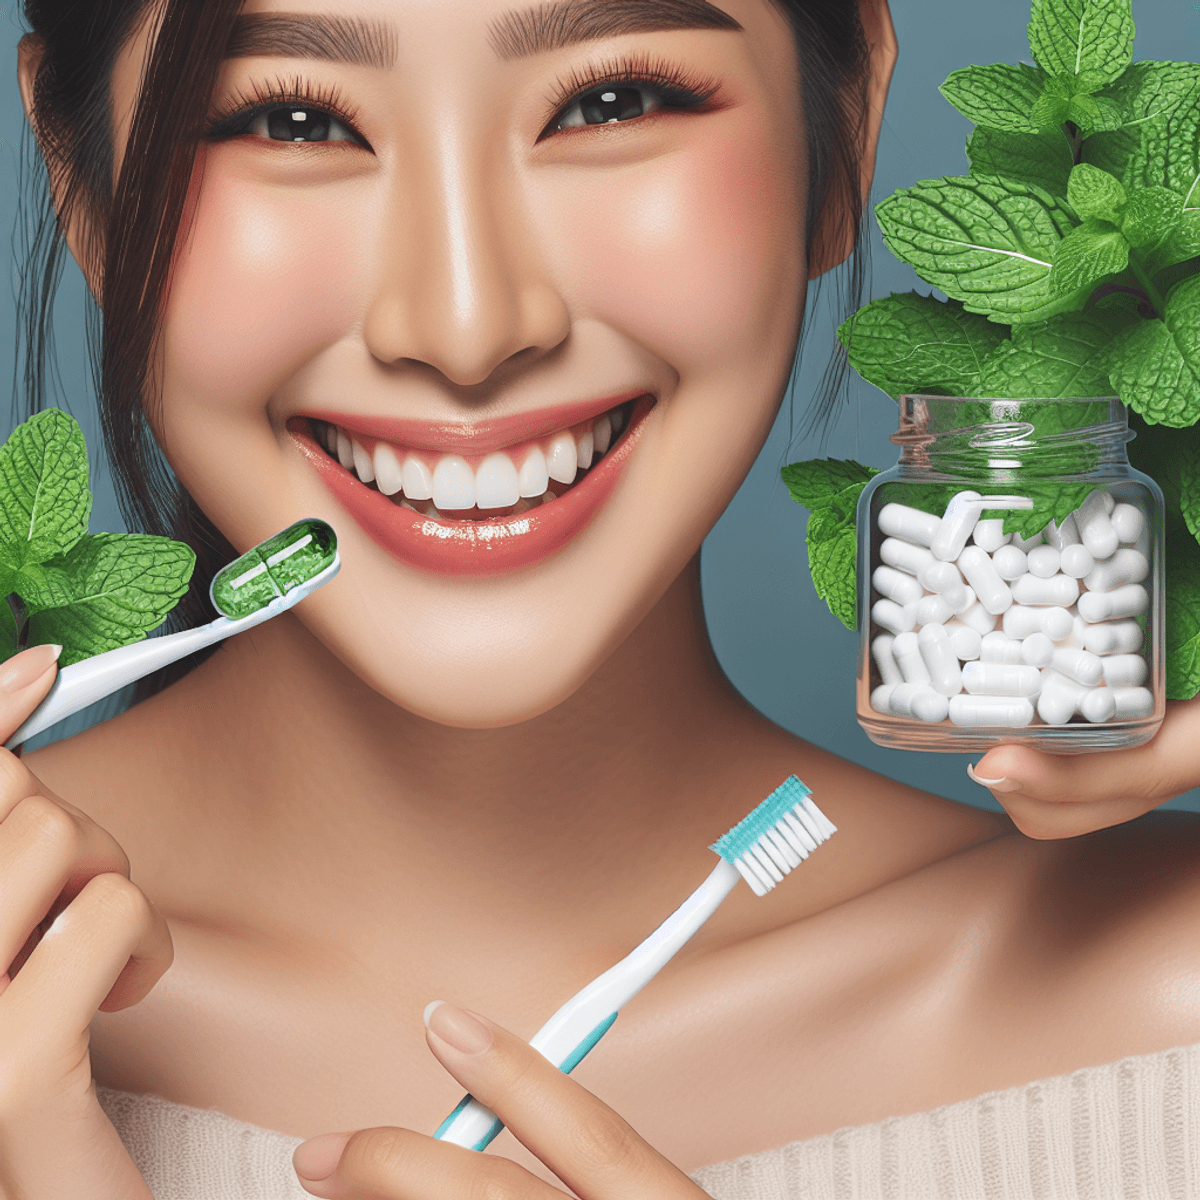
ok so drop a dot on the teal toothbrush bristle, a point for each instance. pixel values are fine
(273, 568)
(777, 836)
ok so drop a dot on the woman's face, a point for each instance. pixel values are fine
(471, 241)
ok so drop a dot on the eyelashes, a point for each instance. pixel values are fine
(235, 115)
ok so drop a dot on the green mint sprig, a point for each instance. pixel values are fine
(1069, 256)
(87, 592)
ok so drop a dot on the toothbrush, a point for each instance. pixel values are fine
(264, 582)
(761, 849)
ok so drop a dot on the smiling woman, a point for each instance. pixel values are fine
(509, 297)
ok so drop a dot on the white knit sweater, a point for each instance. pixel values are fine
(1128, 1129)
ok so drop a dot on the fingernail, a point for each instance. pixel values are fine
(458, 1029)
(23, 669)
(1003, 784)
(318, 1158)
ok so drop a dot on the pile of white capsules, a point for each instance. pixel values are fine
(992, 630)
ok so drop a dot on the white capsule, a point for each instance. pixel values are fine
(1095, 529)
(993, 592)
(896, 585)
(978, 618)
(881, 698)
(1076, 561)
(898, 520)
(1129, 601)
(1037, 650)
(1115, 637)
(885, 660)
(1057, 623)
(943, 577)
(980, 712)
(1020, 622)
(1126, 566)
(1128, 521)
(1062, 536)
(904, 556)
(900, 701)
(966, 641)
(1001, 679)
(933, 610)
(907, 650)
(887, 614)
(1061, 591)
(989, 535)
(930, 706)
(1055, 706)
(1098, 706)
(1125, 670)
(998, 647)
(1010, 563)
(1043, 561)
(1133, 703)
(1082, 666)
(956, 525)
(1027, 544)
(944, 672)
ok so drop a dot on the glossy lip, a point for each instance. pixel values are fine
(476, 438)
(487, 547)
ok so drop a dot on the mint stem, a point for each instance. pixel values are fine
(1156, 298)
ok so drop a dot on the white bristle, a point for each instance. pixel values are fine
(806, 839)
(784, 846)
(756, 886)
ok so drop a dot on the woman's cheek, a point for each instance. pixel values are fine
(693, 254)
(268, 277)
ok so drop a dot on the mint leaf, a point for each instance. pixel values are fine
(1112, 152)
(1182, 243)
(108, 590)
(1151, 214)
(1095, 193)
(1183, 617)
(1042, 159)
(1051, 502)
(1086, 255)
(1089, 42)
(987, 242)
(832, 561)
(1060, 359)
(999, 96)
(1147, 91)
(1168, 153)
(816, 483)
(44, 497)
(1155, 366)
(911, 343)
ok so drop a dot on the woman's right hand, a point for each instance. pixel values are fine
(76, 936)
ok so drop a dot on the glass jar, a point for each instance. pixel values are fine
(1050, 635)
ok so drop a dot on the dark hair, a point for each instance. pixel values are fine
(132, 216)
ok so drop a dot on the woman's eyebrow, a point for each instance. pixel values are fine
(354, 41)
(545, 27)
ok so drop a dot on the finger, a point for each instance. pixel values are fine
(24, 681)
(1056, 796)
(588, 1146)
(105, 951)
(397, 1164)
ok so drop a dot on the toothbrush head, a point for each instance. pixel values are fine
(280, 571)
(777, 836)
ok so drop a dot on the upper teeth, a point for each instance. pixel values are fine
(498, 481)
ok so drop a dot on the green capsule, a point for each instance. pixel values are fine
(273, 568)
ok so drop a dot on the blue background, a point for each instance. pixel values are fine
(775, 639)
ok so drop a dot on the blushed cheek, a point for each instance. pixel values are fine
(696, 255)
(260, 287)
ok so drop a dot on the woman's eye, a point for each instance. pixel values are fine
(297, 123)
(609, 105)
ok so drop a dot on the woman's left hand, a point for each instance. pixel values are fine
(1057, 796)
(591, 1149)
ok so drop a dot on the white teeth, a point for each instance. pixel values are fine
(389, 475)
(345, 451)
(418, 482)
(562, 462)
(496, 484)
(362, 462)
(586, 445)
(534, 477)
(603, 434)
(453, 483)
(618, 420)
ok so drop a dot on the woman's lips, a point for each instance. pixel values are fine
(476, 547)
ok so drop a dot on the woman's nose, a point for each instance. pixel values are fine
(462, 284)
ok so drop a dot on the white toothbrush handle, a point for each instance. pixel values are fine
(85, 682)
(580, 1023)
